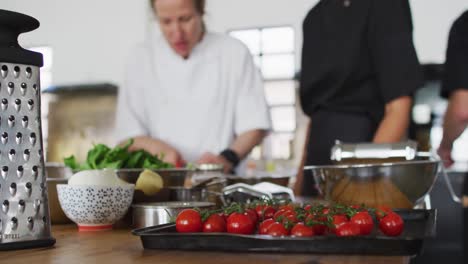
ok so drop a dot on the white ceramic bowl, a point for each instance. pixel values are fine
(95, 208)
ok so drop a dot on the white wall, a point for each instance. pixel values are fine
(91, 38)
(432, 21)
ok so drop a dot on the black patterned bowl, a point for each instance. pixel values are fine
(95, 208)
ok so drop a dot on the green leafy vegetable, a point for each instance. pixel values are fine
(104, 157)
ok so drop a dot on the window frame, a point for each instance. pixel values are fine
(261, 54)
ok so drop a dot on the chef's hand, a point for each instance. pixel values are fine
(158, 147)
(216, 159)
(172, 156)
(445, 153)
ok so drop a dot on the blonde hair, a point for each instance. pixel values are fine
(199, 6)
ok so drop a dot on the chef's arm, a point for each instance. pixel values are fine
(300, 171)
(158, 147)
(395, 122)
(455, 122)
(245, 142)
(237, 151)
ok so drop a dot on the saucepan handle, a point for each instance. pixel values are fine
(220, 196)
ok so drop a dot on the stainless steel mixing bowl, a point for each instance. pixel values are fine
(171, 177)
(398, 184)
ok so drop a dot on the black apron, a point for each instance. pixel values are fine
(326, 127)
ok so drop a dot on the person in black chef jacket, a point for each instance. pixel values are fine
(359, 71)
(455, 88)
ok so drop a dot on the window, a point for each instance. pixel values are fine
(273, 50)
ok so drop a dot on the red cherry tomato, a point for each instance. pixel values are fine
(285, 216)
(224, 216)
(382, 210)
(308, 207)
(289, 207)
(252, 214)
(391, 225)
(338, 220)
(325, 210)
(364, 221)
(277, 229)
(179, 164)
(319, 229)
(265, 211)
(348, 229)
(263, 228)
(239, 223)
(301, 230)
(188, 221)
(214, 223)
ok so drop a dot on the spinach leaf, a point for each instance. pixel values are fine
(96, 155)
(71, 162)
(102, 156)
(136, 159)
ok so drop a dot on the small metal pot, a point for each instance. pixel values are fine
(152, 214)
(172, 194)
(207, 191)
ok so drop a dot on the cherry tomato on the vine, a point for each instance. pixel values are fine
(347, 229)
(277, 229)
(214, 223)
(391, 225)
(240, 223)
(188, 221)
(364, 221)
(301, 230)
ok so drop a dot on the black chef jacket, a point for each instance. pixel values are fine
(456, 62)
(357, 56)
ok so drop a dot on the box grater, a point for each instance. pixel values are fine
(24, 212)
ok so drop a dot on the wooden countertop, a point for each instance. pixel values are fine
(120, 246)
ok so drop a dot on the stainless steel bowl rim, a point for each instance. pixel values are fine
(196, 169)
(372, 165)
(127, 186)
(138, 170)
(173, 205)
(182, 188)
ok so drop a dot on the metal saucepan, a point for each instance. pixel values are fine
(207, 191)
(172, 194)
(152, 214)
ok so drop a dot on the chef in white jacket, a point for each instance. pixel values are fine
(192, 95)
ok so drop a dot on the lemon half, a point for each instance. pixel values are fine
(149, 182)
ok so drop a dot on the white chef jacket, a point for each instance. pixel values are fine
(197, 104)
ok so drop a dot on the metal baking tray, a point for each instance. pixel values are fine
(419, 225)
